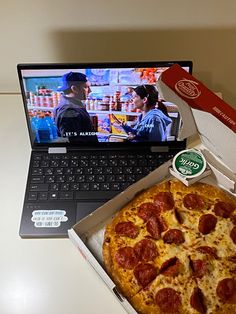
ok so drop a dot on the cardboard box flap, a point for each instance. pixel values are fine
(213, 118)
(198, 96)
(188, 128)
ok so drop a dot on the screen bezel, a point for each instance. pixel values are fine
(108, 145)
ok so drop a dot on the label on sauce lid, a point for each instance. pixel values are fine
(189, 163)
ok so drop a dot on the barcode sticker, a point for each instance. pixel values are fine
(48, 218)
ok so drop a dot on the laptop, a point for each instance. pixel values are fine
(91, 137)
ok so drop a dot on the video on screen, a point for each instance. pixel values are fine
(85, 106)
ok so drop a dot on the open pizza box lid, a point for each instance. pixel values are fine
(202, 112)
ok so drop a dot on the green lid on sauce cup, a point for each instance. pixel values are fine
(189, 163)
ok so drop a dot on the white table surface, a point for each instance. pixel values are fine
(38, 276)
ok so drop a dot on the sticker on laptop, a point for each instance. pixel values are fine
(48, 218)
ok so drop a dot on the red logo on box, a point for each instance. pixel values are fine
(188, 88)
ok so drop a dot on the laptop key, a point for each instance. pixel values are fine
(43, 196)
(39, 187)
(75, 186)
(45, 163)
(95, 195)
(50, 179)
(37, 179)
(69, 171)
(115, 186)
(59, 171)
(48, 171)
(60, 179)
(66, 195)
(54, 163)
(79, 170)
(37, 171)
(65, 186)
(53, 195)
(35, 163)
(70, 178)
(95, 186)
(118, 170)
(89, 170)
(54, 187)
(37, 157)
(84, 186)
(80, 178)
(32, 196)
(64, 163)
(105, 186)
(90, 178)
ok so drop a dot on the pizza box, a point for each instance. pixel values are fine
(203, 113)
(87, 235)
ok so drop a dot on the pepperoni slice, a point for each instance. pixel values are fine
(153, 227)
(173, 236)
(193, 201)
(208, 250)
(226, 290)
(197, 301)
(127, 229)
(171, 267)
(199, 267)
(164, 201)
(146, 210)
(223, 209)
(146, 250)
(168, 300)
(145, 273)
(233, 234)
(207, 223)
(126, 257)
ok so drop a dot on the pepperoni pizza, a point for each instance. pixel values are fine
(172, 249)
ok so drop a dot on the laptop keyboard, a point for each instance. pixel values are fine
(70, 176)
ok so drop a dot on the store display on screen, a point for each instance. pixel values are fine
(106, 104)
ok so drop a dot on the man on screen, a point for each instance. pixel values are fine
(70, 116)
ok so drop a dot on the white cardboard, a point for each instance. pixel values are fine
(214, 135)
(188, 127)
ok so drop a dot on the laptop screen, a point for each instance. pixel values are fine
(98, 104)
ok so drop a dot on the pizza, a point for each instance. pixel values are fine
(172, 249)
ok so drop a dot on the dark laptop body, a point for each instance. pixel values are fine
(67, 180)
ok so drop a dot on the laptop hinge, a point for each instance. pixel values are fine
(159, 149)
(57, 150)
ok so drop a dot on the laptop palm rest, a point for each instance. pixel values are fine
(86, 208)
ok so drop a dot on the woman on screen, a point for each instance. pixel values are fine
(152, 123)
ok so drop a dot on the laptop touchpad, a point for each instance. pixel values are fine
(85, 208)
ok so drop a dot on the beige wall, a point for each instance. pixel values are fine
(106, 30)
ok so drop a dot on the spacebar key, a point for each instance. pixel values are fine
(95, 195)
(39, 187)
